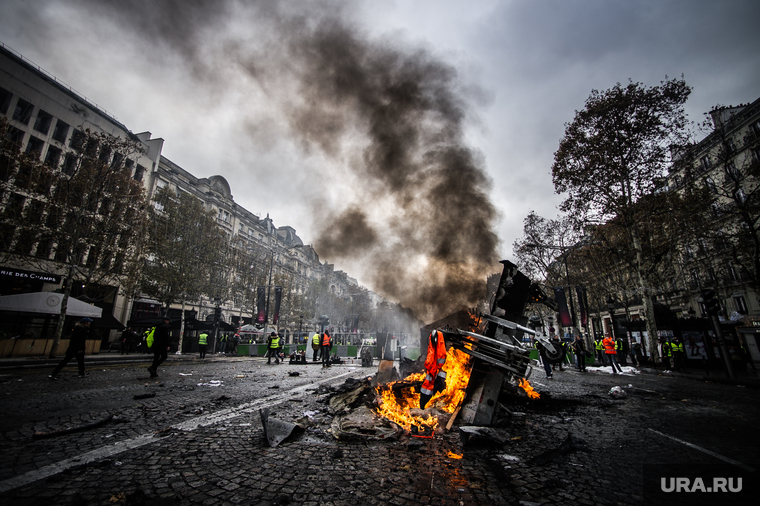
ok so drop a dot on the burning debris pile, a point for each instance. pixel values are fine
(472, 371)
(464, 371)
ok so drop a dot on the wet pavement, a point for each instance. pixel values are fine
(194, 436)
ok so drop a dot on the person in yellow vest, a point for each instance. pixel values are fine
(666, 352)
(679, 354)
(273, 345)
(315, 345)
(326, 345)
(202, 344)
(599, 345)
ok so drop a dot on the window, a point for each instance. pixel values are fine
(733, 274)
(60, 131)
(53, 157)
(43, 121)
(224, 216)
(77, 140)
(35, 145)
(5, 100)
(105, 155)
(139, 171)
(710, 184)
(159, 183)
(23, 111)
(116, 160)
(15, 135)
(755, 127)
(741, 304)
(69, 164)
(695, 277)
(731, 170)
(705, 162)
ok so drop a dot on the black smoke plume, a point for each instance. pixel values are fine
(415, 213)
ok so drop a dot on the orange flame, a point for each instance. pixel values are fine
(398, 410)
(455, 455)
(525, 385)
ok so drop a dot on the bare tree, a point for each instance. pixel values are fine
(86, 218)
(612, 156)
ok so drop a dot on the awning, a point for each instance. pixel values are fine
(107, 321)
(47, 303)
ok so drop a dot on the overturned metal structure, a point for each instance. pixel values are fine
(498, 348)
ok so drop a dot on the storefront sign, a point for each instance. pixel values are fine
(30, 275)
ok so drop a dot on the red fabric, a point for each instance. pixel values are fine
(436, 358)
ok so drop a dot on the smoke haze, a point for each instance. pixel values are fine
(398, 198)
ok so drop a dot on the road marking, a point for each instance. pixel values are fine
(145, 439)
(705, 450)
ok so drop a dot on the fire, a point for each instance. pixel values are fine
(525, 385)
(396, 405)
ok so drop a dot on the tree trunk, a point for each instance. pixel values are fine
(67, 282)
(181, 327)
(651, 323)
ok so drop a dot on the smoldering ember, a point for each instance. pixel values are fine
(471, 421)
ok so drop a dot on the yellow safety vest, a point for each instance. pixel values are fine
(275, 342)
(203, 339)
(315, 339)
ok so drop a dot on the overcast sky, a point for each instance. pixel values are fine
(522, 69)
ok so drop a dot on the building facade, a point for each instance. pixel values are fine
(47, 119)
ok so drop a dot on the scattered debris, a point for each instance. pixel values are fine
(364, 424)
(71, 430)
(185, 374)
(618, 393)
(275, 431)
(294, 373)
(212, 383)
(472, 434)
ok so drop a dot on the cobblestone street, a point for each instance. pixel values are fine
(199, 439)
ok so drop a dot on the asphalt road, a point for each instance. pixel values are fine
(194, 436)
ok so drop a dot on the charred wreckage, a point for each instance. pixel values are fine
(470, 359)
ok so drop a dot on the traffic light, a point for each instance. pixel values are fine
(711, 303)
(217, 314)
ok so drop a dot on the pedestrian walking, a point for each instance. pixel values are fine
(679, 354)
(160, 346)
(234, 344)
(579, 348)
(126, 341)
(632, 352)
(325, 349)
(202, 344)
(77, 345)
(638, 353)
(315, 345)
(666, 352)
(560, 344)
(599, 348)
(545, 361)
(622, 350)
(273, 348)
(609, 350)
